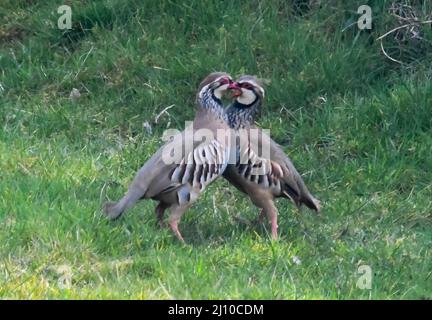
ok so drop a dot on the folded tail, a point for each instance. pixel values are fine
(115, 209)
(312, 203)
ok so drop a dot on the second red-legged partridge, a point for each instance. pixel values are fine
(281, 179)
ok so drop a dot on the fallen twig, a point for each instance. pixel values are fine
(162, 112)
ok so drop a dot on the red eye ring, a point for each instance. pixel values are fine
(246, 85)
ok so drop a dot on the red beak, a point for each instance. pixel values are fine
(233, 85)
(236, 89)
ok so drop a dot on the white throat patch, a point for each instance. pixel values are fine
(219, 91)
(247, 97)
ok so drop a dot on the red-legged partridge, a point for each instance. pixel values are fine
(281, 179)
(177, 185)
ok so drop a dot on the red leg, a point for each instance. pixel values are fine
(272, 213)
(174, 219)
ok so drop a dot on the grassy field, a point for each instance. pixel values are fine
(357, 125)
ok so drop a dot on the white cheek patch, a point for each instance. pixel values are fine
(220, 91)
(247, 97)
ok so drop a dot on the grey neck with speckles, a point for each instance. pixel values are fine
(239, 116)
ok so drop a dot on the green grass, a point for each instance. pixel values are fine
(355, 124)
